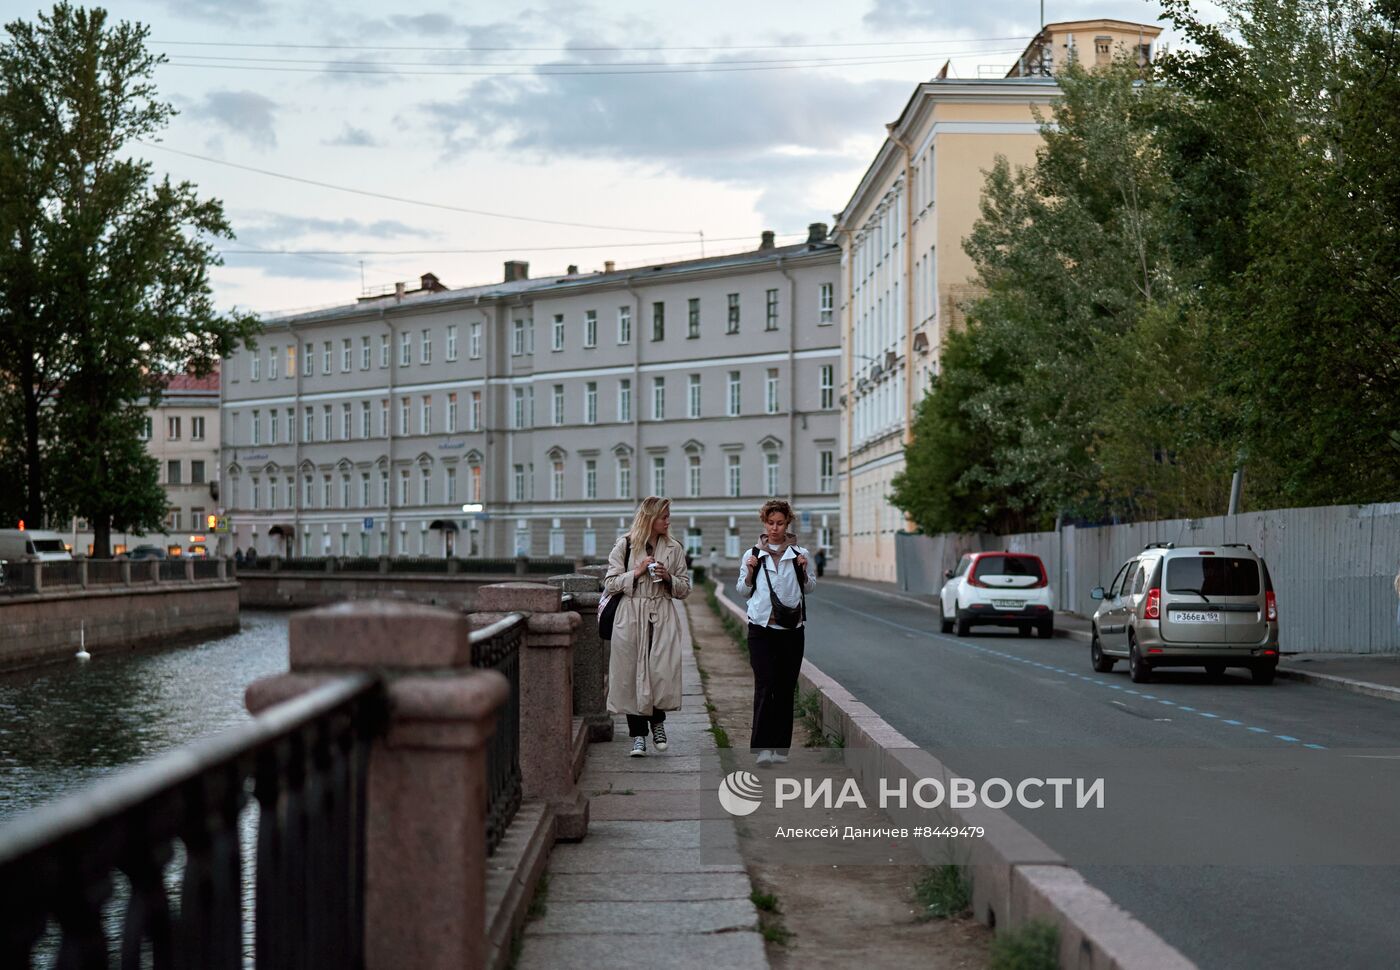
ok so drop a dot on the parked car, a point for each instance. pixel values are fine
(1192, 606)
(33, 544)
(146, 552)
(998, 589)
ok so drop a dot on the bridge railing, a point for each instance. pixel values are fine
(497, 647)
(304, 761)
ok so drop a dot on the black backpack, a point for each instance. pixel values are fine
(607, 606)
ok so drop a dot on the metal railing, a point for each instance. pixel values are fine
(171, 570)
(62, 573)
(512, 565)
(206, 569)
(304, 761)
(18, 577)
(497, 647)
(102, 572)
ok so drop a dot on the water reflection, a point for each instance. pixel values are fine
(65, 725)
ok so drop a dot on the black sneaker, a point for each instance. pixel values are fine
(658, 736)
(639, 748)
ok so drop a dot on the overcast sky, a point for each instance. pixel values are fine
(480, 107)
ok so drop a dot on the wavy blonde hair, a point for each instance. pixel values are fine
(652, 508)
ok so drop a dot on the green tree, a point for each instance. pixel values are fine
(118, 264)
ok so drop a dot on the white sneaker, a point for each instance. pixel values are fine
(764, 759)
(779, 758)
(639, 748)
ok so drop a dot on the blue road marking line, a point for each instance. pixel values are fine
(1316, 747)
(1204, 714)
(1231, 721)
(1259, 730)
(1167, 702)
(1185, 708)
(1285, 737)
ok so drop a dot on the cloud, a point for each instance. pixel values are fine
(222, 11)
(275, 230)
(1000, 18)
(353, 137)
(243, 113)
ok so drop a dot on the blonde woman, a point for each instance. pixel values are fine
(774, 577)
(644, 670)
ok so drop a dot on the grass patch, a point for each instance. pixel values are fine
(733, 627)
(808, 707)
(539, 903)
(1032, 946)
(775, 933)
(770, 918)
(766, 902)
(943, 892)
(721, 736)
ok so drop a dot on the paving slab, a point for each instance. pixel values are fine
(697, 951)
(656, 806)
(669, 834)
(656, 887)
(670, 916)
(601, 782)
(595, 858)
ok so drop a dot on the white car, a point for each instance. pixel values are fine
(998, 589)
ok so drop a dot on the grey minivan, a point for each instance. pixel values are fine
(1189, 606)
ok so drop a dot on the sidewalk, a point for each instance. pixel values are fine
(1376, 675)
(634, 891)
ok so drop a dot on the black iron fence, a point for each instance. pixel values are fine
(514, 565)
(497, 647)
(103, 572)
(16, 577)
(305, 763)
(171, 570)
(206, 569)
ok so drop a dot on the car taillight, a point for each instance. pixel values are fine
(972, 580)
(1153, 609)
(1270, 605)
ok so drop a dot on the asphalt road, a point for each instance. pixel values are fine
(1211, 784)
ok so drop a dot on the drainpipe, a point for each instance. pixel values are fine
(909, 525)
(637, 397)
(488, 547)
(296, 450)
(792, 379)
(389, 430)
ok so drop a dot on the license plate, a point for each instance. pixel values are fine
(1195, 616)
(1007, 604)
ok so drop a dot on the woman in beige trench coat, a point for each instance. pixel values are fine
(644, 669)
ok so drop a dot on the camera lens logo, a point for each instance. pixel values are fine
(740, 793)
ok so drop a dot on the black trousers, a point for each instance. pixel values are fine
(776, 657)
(639, 725)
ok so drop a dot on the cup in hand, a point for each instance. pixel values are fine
(651, 568)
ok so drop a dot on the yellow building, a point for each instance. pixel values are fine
(905, 276)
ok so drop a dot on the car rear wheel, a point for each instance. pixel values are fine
(1101, 661)
(1263, 675)
(1046, 628)
(1137, 668)
(964, 625)
(946, 625)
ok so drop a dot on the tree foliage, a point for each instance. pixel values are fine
(1200, 269)
(106, 289)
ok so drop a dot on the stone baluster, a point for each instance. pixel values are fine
(590, 656)
(426, 803)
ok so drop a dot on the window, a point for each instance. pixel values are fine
(733, 325)
(556, 340)
(474, 341)
(172, 428)
(770, 473)
(590, 328)
(451, 412)
(452, 341)
(308, 359)
(826, 474)
(693, 396)
(405, 349)
(291, 360)
(522, 542)
(590, 478)
(624, 478)
(172, 472)
(345, 356)
(474, 483)
(624, 324)
(734, 395)
(366, 355)
(658, 400)
(254, 366)
(345, 421)
(734, 478)
(425, 347)
(291, 491)
(518, 482)
(692, 476)
(384, 488)
(658, 321)
(256, 488)
(197, 472)
(828, 386)
(272, 427)
(770, 391)
(257, 427)
(146, 429)
(474, 412)
(658, 475)
(425, 478)
(345, 490)
(326, 427)
(364, 490)
(826, 303)
(556, 404)
(326, 357)
(556, 542)
(624, 400)
(272, 361)
(692, 318)
(326, 496)
(425, 415)
(517, 338)
(308, 492)
(197, 429)
(770, 318)
(403, 416)
(403, 486)
(694, 544)
(364, 419)
(383, 350)
(517, 414)
(384, 417)
(590, 542)
(291, 422)
(308, 425)
(590, 403)
(731, 544)
(556, 481)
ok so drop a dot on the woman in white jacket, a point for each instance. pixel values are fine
(777, 612)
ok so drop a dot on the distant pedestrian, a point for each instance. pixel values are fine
(821, 561)
(252, 557)
(238, 556)
(647, 568)
(714, 564)
(774, 578)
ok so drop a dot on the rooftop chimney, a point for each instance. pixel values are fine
(517, 269)
(767, 241)
(573, 270)
(398, 290)
(816, 233)
(429, 282)
(609, 266)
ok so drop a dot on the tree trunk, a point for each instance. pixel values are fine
(101, 536)
(33, 459)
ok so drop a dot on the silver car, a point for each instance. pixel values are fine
(1192, 606)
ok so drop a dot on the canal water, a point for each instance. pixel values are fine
(65, 725)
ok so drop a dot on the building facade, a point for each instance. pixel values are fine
(552, 404)
(906, 278)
